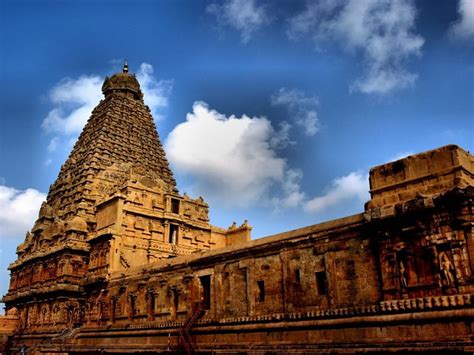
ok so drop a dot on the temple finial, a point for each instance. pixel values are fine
(125, 66)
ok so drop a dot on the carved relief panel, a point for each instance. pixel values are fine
(417, 265)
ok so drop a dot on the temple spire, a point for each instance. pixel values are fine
(125, 67)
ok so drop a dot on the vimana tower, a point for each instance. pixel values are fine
(119, 261)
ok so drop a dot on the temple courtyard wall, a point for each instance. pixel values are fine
(397, 277)
(313, 289)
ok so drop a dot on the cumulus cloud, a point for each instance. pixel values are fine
(352, 186)
(381, 30)
(74, 100)
(463, 28)
(230, 158)
(235, 161)
(18, 210)
(244, 16)
(301, 108)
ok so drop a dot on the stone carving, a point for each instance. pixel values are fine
(447, 269)
(45, 210)
(403, 274)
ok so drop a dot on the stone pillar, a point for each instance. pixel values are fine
(248, 265)
(219, 291)
(151, 300)
(332, 275)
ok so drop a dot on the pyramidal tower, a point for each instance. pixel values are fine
(113, 207)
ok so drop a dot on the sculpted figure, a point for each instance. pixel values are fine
(187, 211)
(173, 236)
(447, 269)
(55, 315)
(403, 274)
(43, 315)
(203, 214)
(45, 210)
(23, 317)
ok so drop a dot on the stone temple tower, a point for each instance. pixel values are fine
(113, 207)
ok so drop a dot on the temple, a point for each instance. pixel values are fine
(119, 261)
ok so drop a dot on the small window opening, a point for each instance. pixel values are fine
(176, 300)
(173, 234)
(113, 310)
(175, 206)
(321, 283)
(298, 276)
(206, 291)
(151, 304)
(261, 291)
(133, 309)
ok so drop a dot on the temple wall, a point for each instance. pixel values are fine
(312, 274)
(426, 173)
(305, 273)
(398, 275)
(322, 286)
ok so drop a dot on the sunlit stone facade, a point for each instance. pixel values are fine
(119, 261)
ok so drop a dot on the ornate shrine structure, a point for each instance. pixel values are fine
(118, 261)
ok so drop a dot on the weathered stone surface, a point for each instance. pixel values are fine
(119, 261)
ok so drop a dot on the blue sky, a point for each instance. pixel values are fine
(273, 111)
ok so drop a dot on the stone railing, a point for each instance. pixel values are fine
(424, 304)
(383, 307)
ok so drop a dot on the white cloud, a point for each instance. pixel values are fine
(156, 92)
(381, 30)
(244, 16)
(53, 144)
(292, 194)
(74, 100)
(464, 27)
(281, 139)
(18, 210)
(232, 159)
(352, 186)
(302, 108)
(294, 98)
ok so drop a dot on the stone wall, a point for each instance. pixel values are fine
(390, 278)
(8, 327)
(327, 286)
